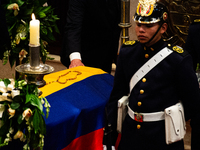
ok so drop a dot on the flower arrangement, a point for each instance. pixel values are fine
(21, 110)
(18, 16)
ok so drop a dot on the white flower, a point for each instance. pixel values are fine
(5, 95)
(15, 93)
(23, 21)
(14, 7)
(7, 140)
(3, 90)
(21, 84)
(19, 134)
(15, 12)
(42, 101)
(12, 82)
(45, 4)
(11, 130)
(27, 114)
(2, 87)
(8, 135)
(47, 105)
(23, 138)
(2, 108)
(26, 147)
(22, 54)
(29, 127)
(11, 112)
(10, 86)
(24, 83)
(3, 98)
(41, 140)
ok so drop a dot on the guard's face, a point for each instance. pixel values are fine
(145, 32)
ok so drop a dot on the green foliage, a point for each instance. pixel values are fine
(18, 16)
(197, 67)
(6, 82)
(23, 115)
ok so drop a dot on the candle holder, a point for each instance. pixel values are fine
(34, 70)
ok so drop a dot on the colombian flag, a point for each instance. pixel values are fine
(77, 97)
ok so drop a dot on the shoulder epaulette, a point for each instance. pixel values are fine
(197, 20)
(130, 42)
(179, 50)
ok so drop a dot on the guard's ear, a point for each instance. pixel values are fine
(164, 28)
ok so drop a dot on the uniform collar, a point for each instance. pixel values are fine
(155, 46)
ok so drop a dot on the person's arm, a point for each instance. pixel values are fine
(72, 35)
(192, 44)
(188, 89)
(75, 59)
(120, 88)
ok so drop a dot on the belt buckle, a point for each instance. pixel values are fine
(138, 117)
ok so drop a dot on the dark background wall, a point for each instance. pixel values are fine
(60, 9)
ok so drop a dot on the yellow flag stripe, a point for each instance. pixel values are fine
(53, 86)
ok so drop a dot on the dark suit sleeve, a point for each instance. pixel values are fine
(192, 44)
(120, 89)
(73, 28)
(188, 88)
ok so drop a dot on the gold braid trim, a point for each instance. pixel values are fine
(78, 73)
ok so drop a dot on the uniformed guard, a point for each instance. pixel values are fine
(156, 76)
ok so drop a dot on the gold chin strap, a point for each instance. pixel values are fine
(155, 33)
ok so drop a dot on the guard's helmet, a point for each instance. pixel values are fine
(150, 11)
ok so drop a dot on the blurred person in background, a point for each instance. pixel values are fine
(92, 34)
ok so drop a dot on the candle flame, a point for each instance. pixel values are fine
(33, 16)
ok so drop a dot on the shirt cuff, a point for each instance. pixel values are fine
(75, 55)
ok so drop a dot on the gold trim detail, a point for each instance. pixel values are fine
(129, 43)
(145, 7)
(138, 7)
(143, 22)
(197, 20)
(78, 73)
(151, 10)
(178, 49)
(165, 16)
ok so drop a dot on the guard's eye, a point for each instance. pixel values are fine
(138, 24)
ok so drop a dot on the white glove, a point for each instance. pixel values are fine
(105, 148)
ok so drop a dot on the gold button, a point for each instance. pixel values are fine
(145, 48)
(144, 80)
(146, 55)
(138, 126)
(169, 44)
(152, 49)
(139, 103)
(141, 91)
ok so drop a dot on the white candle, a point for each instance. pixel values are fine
(34, 31)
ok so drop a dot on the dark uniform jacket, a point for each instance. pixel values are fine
(92, 29)
(171, 80)
(192, 44)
